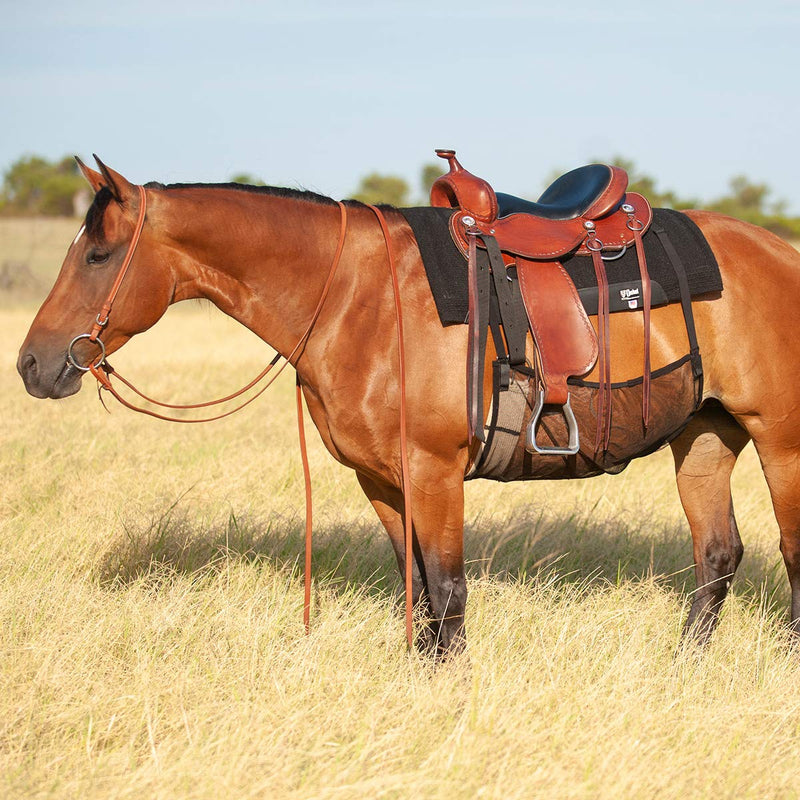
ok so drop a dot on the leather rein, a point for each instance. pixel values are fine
(102, 371)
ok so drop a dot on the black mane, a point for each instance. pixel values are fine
(94, 216)
(274, 191)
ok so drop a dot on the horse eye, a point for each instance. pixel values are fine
(97, 257)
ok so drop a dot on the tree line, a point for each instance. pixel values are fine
(35, 186)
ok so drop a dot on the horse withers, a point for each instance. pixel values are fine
(263, 257)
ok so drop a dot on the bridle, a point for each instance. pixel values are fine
(103, 371)
(101, 320)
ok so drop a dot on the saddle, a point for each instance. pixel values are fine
(587, 211)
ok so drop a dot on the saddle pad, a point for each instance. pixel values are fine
(447, 270)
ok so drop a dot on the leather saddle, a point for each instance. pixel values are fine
(587, 211)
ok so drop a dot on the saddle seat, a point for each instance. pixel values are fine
(582, 191)
(582, 204)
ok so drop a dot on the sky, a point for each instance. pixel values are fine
(315, 95)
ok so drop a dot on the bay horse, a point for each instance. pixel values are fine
(263, 257)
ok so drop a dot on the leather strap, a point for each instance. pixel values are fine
(603, 432)
(404, 468)
(514, 323)
(478, 276)
(565, 341)
(101, 320)
(103, 371)
(686, 306)
(406, 479)
(301, 433)
(646, 302)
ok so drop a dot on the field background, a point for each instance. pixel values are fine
(150, 610)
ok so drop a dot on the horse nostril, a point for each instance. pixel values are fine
(27, 364)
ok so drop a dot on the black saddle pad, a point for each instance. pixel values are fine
(447, 273)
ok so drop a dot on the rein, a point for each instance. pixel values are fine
(408, 528)
(102, 371)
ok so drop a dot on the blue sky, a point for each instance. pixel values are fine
(316, 95)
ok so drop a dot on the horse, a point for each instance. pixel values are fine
(263, 256)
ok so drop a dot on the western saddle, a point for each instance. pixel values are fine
(585, 212)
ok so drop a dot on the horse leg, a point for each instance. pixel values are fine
(781, 465)
(438, 511)
(388, 504)
(439, 583)
(705, 454)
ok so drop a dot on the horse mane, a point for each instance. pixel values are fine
(274, 191)
(94, 216)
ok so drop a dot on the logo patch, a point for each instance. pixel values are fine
(631, 296)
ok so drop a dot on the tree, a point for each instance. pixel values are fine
(34, 185)
(645, 185)
(746, 199)
(376, 188)
(428, 174)
(247, 179)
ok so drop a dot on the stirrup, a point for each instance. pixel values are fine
(572, 426)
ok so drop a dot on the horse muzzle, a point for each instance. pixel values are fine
(52, 377)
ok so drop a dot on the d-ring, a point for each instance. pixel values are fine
(71, 358)
(616, 255)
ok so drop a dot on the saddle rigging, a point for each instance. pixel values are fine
(587, 211)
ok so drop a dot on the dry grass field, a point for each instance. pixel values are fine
(150, 614)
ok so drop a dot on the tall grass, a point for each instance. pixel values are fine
(152, 644)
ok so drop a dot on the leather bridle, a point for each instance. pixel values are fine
(101, 320)
(103, 371)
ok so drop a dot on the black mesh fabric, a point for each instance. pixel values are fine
(673, 401)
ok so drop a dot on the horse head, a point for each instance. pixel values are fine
(51, 362)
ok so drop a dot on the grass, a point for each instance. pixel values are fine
(31, 251)
(151, 635)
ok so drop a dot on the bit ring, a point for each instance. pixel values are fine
(71, 358)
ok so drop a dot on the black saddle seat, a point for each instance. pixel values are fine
(566, 198)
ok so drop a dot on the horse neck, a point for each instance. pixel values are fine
(260, 258)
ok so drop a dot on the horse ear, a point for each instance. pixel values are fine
(120, 187)
(96, 180)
